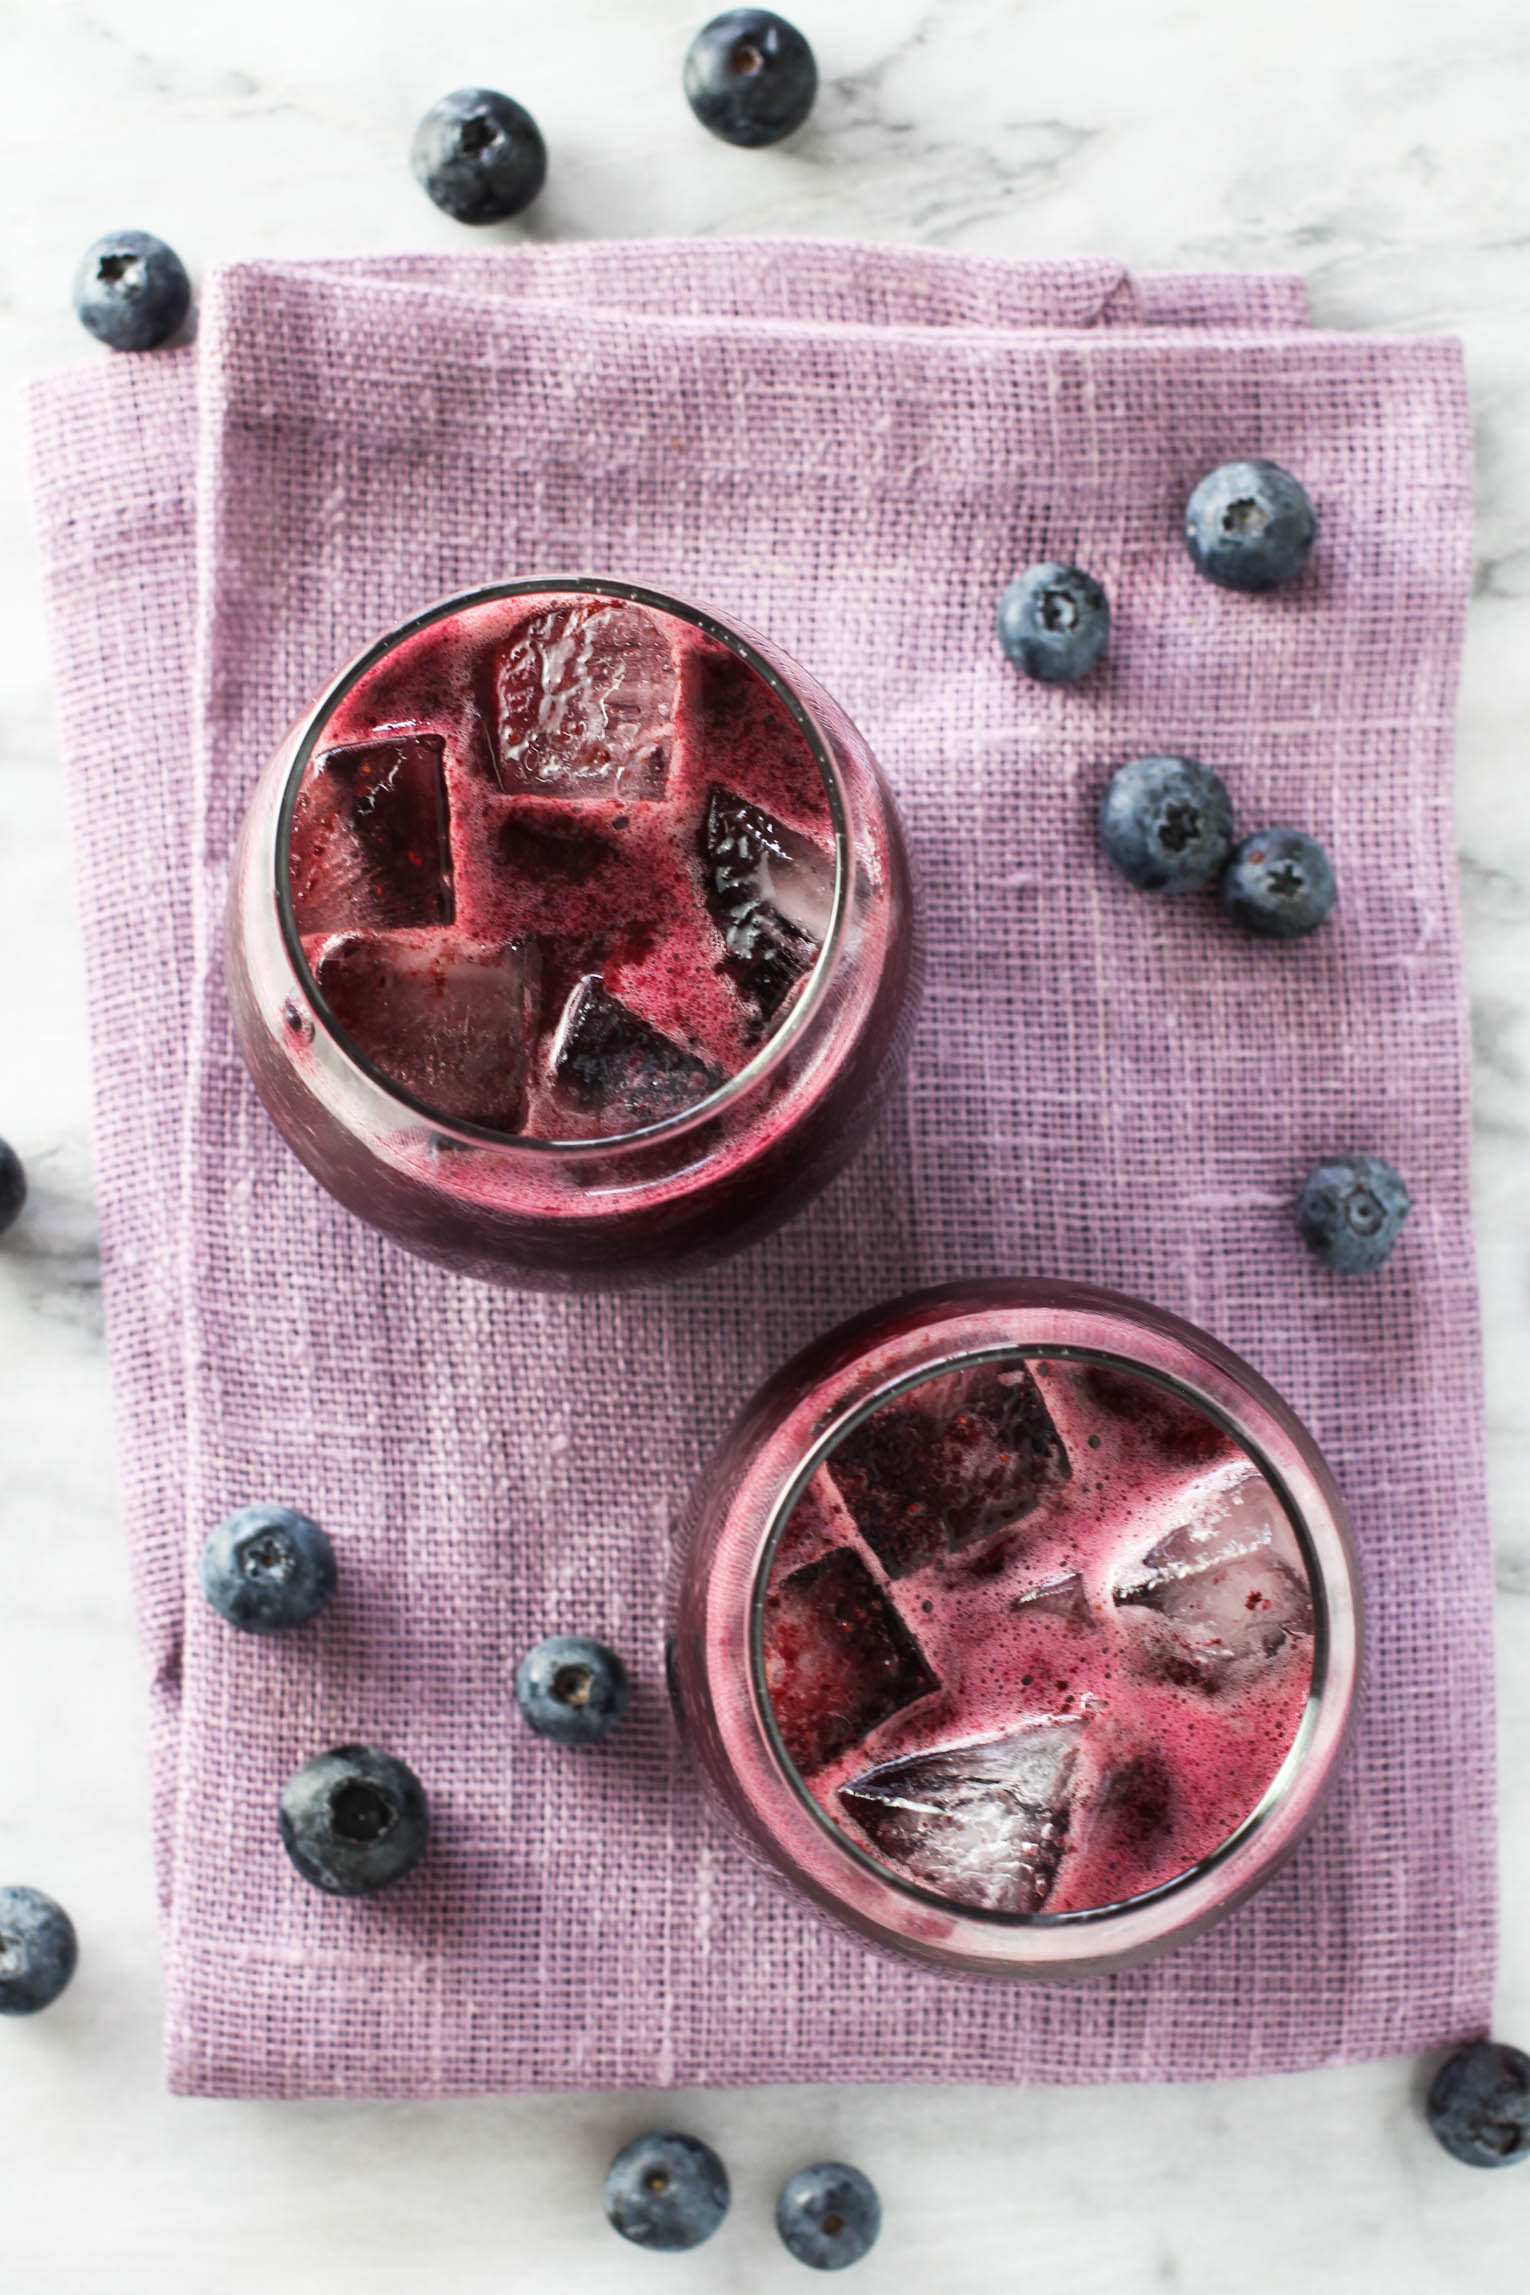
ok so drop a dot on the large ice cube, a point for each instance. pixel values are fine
(1226, 1587)
(583, 702)
(448, 1018)
(771, 894)
(611, 1064)
(982, 1823)
(958, 1457)
(839, 1660)
(369, 838)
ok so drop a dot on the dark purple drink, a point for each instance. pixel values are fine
(570, 936)
(1019, 1626)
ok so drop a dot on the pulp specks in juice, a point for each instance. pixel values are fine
(561, 864)
(1038, 1635)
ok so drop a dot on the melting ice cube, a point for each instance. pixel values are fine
(983, 1823)
(611, 1064)
(583, 702)
(962, 1455)
(771, 894)
(1060, 1597)
(448, 1018)
(1227, 1586)
(369, 838)
(838, 1658)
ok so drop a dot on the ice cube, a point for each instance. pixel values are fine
(962, 1455)
(771, 894)
(583, 702)
(839, 1660)
(1226, 1587)
(369, 844)
(1059, 1597)
(610, 1063)
(448, 1018)
(983, 1823)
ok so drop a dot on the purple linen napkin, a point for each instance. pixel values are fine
(853, 448)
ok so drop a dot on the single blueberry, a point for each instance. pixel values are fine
(267, 1568)
(1279, 883)
(479, 155)
(1250, 526)
(1479, 2105)
(829, 2215)
(131, 291)
(38, 1951)
(571, 1688)
(1350, 1210)
(666, 2192)
(354, 1819)
(13, 1186)
(1166, 822)
(1053, 623)
(750, 77)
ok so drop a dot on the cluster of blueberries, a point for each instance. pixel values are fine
(355, 1819)
(749, 77)
(1167, 822)
(669, 2191)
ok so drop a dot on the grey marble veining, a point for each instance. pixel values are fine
(1378, 146)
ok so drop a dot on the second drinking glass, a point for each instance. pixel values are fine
(1018, 1625)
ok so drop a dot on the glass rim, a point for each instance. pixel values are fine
(776, 1045)
(1085, 1915)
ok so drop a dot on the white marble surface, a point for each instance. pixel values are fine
(1380, 146)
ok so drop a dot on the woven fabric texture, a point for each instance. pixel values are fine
(851, 448)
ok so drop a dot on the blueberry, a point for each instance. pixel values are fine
(131, 291)
(750, 77)
(353, 1820)
(829, 2215)
(479, 155)
(1479, 2105)
(1053, 623)
(666, 2192)
(13, 1186)
(267, 1568)
(1250, 526)
(571, 1688)
(1279, 883)
(1350, 1210)
(1166, 822)
(37, 1951)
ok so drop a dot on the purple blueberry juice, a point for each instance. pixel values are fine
(1025, 1632)
(570, 936)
